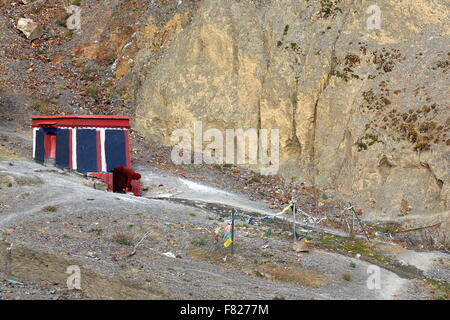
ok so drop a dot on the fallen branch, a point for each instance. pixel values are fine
(420, 228)
(359, 221)
(310, 218)
(137, 244)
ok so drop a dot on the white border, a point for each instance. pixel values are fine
(34, 142)
(74, 148)
(102, 145)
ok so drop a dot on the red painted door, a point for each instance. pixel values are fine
(50, 145)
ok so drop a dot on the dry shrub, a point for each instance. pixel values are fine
(45, 107)
(49, 209)
(306, 277)
(433, 238)
(5, 153)
(212, 252)
(123, 238)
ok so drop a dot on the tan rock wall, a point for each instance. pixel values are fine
(361, 112)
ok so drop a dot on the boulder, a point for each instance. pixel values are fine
(31, 29)
(300, 246)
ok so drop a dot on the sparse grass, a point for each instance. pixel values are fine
(198, 242)
(423, 143)
(123, 239)
(91, 91)
(61, 21)
(44, 107)
(256, 179)
(346, 246)
(192, 214)
(388, 228)
(36, 106)
(404, 207)
(441, 290)
(329, 8)
(5, 153)
(306, 277)
(278, 298)
(366, 141)
(49, 209)
(352, 265)
(346, 277)
(88, 73)
(97, 231)
(213, 253)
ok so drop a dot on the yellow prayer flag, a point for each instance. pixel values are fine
(217, 230)
(228, 243)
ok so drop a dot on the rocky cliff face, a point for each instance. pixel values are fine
(361, 111)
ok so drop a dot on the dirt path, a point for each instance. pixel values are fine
(74, 220)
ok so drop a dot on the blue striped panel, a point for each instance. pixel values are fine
(86, 150)
(40, 152)
(115, 149)
(62, 148)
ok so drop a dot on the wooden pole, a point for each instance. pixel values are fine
(294, 209)
(232, 232)
(359, 221)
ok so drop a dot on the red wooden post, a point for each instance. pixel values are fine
(99, 151)
(127, 148)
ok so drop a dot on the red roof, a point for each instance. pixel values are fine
(81, 116)
(82, 121)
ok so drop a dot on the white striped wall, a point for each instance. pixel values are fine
(74, 148)
(34, 142)
(102, 143)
